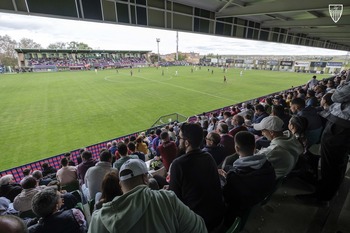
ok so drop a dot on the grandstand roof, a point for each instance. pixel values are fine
(78, 51)
(294, 22)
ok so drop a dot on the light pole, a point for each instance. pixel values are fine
(158, 40)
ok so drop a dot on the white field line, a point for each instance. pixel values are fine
(173, 85)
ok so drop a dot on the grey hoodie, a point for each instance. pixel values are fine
(339, 111)
(147, 211)
(283, 153)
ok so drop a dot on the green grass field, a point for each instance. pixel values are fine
(44, 114)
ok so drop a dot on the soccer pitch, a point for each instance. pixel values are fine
(44, 114)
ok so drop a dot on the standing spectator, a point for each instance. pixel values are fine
(167, 150)
(335, 147)
(141, 209)
(312, 83)
(194, 177)
(67, 174)
(88, 162)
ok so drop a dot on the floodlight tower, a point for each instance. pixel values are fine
(177, 46)
(158, 40)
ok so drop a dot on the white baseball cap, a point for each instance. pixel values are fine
(272, 123)
(136, 166)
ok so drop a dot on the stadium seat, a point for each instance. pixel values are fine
(279, 182)
(71, 186)
(27, 214)
(235, 227)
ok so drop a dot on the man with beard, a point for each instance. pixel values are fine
(194, 177)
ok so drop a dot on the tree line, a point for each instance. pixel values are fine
(8, 55)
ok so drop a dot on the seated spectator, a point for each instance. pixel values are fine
(212, 124)
(110, 189)
(88, 162)
(12, 224)
(113, 148)
(23, 201)
(249, 180)
(226, 140)
(315, 127)
(311, 99)
(46, 205)
(48, 170)
(94, 175)
(132, 149)
(141, 146)
(8, 187)
(259, 115)
(238, 125)
(141, 209)
(279, 111)
(67, 156)
(168, 150)
(194, 177)
(38, 175)
(5, 208)
(69, 200)
(26, 172)
(156, 142)
(214, 148)
(284, 151)
(228, 119)
(123, 152)
(67, 174)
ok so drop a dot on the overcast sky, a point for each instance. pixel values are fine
(119, 37)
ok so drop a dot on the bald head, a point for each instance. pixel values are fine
(12, 224)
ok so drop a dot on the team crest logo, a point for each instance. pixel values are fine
(335, 11)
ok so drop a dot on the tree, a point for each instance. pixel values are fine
(26, 43)
(77, 45)
(153, 58)
(57, 45)
(182, 57)
(7, 51)
(7, 46)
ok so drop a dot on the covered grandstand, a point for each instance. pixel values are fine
(66, 59)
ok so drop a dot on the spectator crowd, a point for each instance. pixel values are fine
(197, 176)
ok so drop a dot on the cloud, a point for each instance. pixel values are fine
(121, 37)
